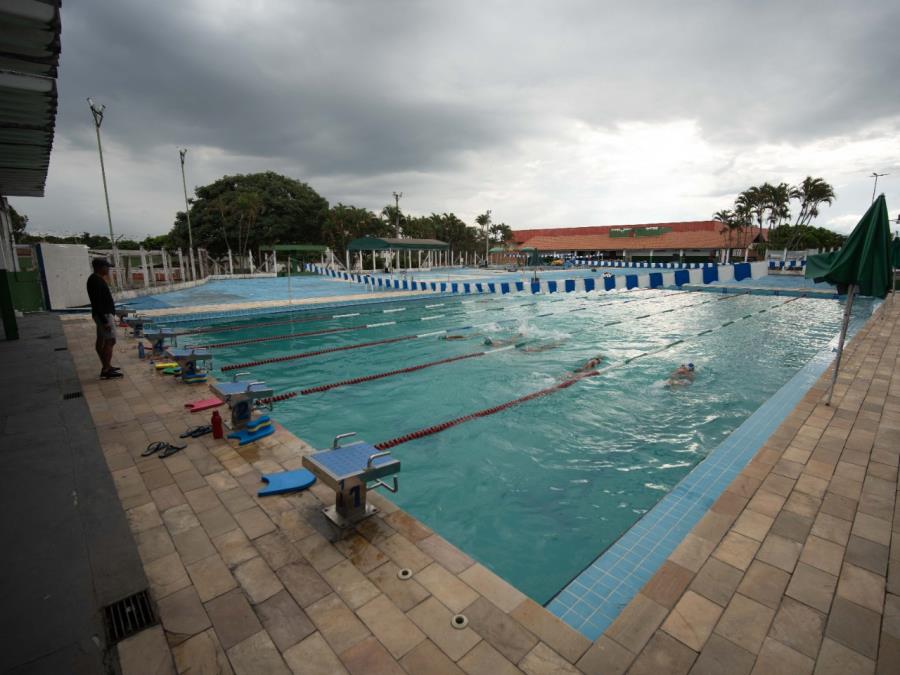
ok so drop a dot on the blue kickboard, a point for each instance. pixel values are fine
(253, 425)
(287, 481)
(243, 436)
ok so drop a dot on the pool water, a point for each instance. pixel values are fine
(537, 491)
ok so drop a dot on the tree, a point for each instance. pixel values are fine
(796, 237)
(345, 223)
(811, 193)
(18, 223)
(778, 203)
(244, 212)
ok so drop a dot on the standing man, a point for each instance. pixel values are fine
(103, 311)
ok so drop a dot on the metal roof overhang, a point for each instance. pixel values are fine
(378, 244)
(303, 248)
(29, 63)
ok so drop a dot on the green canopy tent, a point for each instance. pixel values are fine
(861, 266)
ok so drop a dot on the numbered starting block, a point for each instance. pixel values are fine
(135, 323)
(158, 338)
(351, 471)
(194, 363)
(241, 398)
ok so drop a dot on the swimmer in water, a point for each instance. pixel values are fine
(591, 364)
(541, 346)
(455, 337)
(682, 376)
(502, 342)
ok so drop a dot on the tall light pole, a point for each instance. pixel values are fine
(876, 176)
(97, 112)
(397, 196)
(187, 213)
(487, 235)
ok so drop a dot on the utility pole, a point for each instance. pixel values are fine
(187, 213)
(97, 112)
(876, 176)
(487, 236)
(397, 196)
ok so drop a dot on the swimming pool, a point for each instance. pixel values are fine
(537, 491)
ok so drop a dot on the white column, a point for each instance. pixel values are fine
(230, 263)
(144, 267)
(181, 275)
(347, 260)
(165, 262)
(191, 260)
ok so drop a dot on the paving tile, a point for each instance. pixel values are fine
(408, 526)
(854, 627)
(445, 553)
(257, 580)
(862, 587)
(692, 620)
(729, 504)
(182, 615)
(712, 526)
(723, 656)
(836, 659)
(504, 633)
(405, 593)
(736, 550)
(303, 583)
(313, 656)
(193, 545)
(811, 485)
(717, 581)
(776, 658)
(234, 547)
(167, 497)
(254, 522)
(370, 657)
(891, 618)
(767, 503)
(361, 553)
(257, 654)
(803, 504)
(667, 584)
(692, 552)
(221, 481)
(434, 619)
(202, 499)
(446, 587)
(637, 623)
(236, 500)
(217, 521)
(353, 587)
(874, 529)
(823, 554)
(485, 660)
(146, 653)
(211, 577)
(745, 622)
(293, 524)
(799, 627)
(752, 524)
(283, 619)
(391, 626)
(780, 552)
(495, 589)
(792, 526)
(337, 624)
(375, 530)
(544, 661)
(404, 553)
(144, 517)
(232, 618)
(427, 659)
(319, 551)
(764, 583)
(663, 654)
(166, 575)
(832, 528)
(180, 519)
(566, 641)
(201, 654)
(154, 543)
(888, 654)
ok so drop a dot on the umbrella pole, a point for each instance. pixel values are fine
(840, 350)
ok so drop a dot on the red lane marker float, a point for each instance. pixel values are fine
(278, 397)
(378, 376)
(437, 428)
(275, 338)
(306, 355)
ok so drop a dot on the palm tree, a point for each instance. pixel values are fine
(811, 193)
(729, 225)
(779, 198)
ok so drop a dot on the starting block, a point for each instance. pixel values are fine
(349, 470)
(158, 337)
(193, 362)
(135, 323)
(241, 398)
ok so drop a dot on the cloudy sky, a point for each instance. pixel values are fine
(556, 113)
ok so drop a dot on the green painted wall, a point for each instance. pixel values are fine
(26, 291)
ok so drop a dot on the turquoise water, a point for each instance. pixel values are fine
(537, 491)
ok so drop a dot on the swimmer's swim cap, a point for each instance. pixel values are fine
(691, 366)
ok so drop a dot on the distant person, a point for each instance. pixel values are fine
(103, 311)
(682, 376)
(502, 342)
(591, 364)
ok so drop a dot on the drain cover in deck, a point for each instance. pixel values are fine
(129, 616)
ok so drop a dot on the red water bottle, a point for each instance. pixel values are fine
(216, 422)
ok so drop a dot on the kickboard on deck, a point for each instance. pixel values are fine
(244, 436)
(287, 481)
(204, 404)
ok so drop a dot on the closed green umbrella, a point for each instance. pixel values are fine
(862, 265)
(895, 252)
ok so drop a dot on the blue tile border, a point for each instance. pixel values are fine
(593, 599)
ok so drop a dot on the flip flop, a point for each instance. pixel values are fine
(154, 448)
(171, 450)
(196, 432)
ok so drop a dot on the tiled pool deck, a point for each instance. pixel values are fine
(795, 567)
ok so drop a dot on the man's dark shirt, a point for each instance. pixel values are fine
(101, 299)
